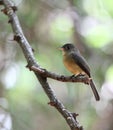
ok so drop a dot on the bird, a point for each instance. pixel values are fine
(77, 65)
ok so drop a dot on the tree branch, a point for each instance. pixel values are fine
(73, 78)
(41, 74)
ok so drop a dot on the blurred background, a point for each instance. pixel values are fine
(48, 24)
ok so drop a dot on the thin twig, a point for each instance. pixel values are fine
(9, 10)
(73, 78)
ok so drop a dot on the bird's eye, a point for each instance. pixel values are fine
(67, 48)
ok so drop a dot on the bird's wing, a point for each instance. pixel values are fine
(81, 62)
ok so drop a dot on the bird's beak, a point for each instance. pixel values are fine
(61, 49)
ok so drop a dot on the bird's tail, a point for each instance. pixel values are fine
(95, 92)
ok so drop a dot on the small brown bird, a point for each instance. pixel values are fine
(77, 65)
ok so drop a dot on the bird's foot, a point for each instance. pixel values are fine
(76, 75)
(73, 76)
(81, 74)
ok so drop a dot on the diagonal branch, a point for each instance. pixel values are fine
(9, 10)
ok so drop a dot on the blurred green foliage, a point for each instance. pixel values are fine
(48, 25)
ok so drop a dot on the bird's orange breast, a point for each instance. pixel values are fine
(71, 65)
